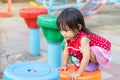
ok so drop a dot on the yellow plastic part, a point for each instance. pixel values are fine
(33, 4)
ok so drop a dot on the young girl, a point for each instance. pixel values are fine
(87, 49)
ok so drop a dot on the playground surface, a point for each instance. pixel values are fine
(16, 34)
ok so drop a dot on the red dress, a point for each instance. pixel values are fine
(74, 46)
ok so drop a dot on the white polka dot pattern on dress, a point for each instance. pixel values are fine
(95, 40)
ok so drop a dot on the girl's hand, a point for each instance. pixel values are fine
(63, 68)
(73, 76)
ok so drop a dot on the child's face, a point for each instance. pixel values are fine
(67, 33)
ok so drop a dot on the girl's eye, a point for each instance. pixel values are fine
(65, 30)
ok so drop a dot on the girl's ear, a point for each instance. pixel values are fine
(80, 26)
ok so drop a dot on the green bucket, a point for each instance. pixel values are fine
(49, 28)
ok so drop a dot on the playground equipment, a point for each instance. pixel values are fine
(9, 11)
(30, 16)
(63, 6)
(111, 2)
(76, 4)
(33, 4)
(53, 5)
(31, 71)
(53, 37)
(94, 75)
(92, 7)
(51, 2)
(88, 8)
(117, 3)
(114, 2)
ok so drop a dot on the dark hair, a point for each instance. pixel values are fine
(71, 17)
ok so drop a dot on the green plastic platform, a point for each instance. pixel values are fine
(49, 28)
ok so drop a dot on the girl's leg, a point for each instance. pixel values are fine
(93, 57)
(93, 64)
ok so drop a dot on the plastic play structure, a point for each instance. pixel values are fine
(51, 2)
(53, 5)
(42, 71)
(53, 38)
(31, 71)
(113, 1)
(8, 13)
(30, 16)
(95, 75)
(88, 8)
(92, 7)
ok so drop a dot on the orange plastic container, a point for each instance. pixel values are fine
(96, 75)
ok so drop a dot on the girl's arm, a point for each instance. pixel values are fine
(86, 54)
(65, 56)
(84, 62)
(65, 59)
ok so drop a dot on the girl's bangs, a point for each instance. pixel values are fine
(63, 26)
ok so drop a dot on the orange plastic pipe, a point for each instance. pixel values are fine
(9, 11)
(95, 75)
